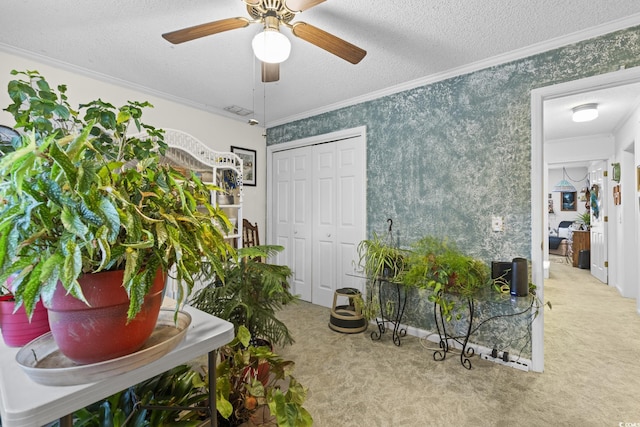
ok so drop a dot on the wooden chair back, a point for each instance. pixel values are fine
(250, 236)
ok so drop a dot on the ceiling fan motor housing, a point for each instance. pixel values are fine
(270, 8)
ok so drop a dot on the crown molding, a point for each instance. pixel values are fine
(525, 52)
(113, 80)
(575, 37)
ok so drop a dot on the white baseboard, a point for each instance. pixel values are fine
(480, 350)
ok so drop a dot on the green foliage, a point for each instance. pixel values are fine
(438, 265)
(249, 293)
(584, 218)
(245, 374)
(380, 259)
(78, 195)
(179, 387)
(243, 389)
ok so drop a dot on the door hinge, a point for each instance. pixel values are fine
(606, 219)
(606, 264)
(605, 173)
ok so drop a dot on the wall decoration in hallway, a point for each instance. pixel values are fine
(615, 172)
(568, 201)
(616, 195)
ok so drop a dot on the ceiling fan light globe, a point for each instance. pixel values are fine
(271, 46)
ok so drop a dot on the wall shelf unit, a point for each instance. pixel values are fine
(188, 153)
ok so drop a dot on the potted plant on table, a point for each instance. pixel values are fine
(584, 220)
(81, 199)
(438, 265)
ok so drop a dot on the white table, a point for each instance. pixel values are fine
(24, 403)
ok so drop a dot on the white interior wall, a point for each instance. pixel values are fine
(217, 132)
(623, 218)
(636, 262)
(582, 149)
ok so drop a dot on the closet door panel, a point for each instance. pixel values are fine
(301, 222)
(326, 204)
(282, 205)
(350, 214)
(324, 216)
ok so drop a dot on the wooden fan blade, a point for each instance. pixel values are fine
(328, 42)
(270, 72)
(202, 30)
(300, 5)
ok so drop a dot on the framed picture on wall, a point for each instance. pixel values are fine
(568, 201)
(248, 164)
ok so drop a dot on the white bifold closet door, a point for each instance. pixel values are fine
(319, 215)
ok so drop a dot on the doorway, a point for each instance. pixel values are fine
(316, 209)
(539, 184)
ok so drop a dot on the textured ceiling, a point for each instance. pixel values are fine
(407, 42)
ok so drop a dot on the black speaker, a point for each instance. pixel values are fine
(519, 277)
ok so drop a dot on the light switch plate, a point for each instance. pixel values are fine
(497, 223)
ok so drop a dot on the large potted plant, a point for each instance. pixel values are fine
(250, 294)
(82, 199)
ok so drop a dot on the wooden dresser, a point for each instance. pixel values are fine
(581, 240)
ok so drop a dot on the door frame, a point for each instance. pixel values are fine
(539, 169)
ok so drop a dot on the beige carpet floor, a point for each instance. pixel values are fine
(591, 378)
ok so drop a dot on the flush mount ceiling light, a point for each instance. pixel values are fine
(271, 46)
(585, 112)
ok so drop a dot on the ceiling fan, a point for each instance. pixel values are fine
(272, 14)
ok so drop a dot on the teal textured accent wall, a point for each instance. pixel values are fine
(444, 157)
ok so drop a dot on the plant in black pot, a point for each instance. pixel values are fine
(250, 293)
(381, 262)
(379, 259)
(82, 200)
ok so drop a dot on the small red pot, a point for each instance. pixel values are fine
(16, 328)
(99, 332)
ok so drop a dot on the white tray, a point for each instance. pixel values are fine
(45, 364)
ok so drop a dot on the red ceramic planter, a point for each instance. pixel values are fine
(99, 332)
(16, 328)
